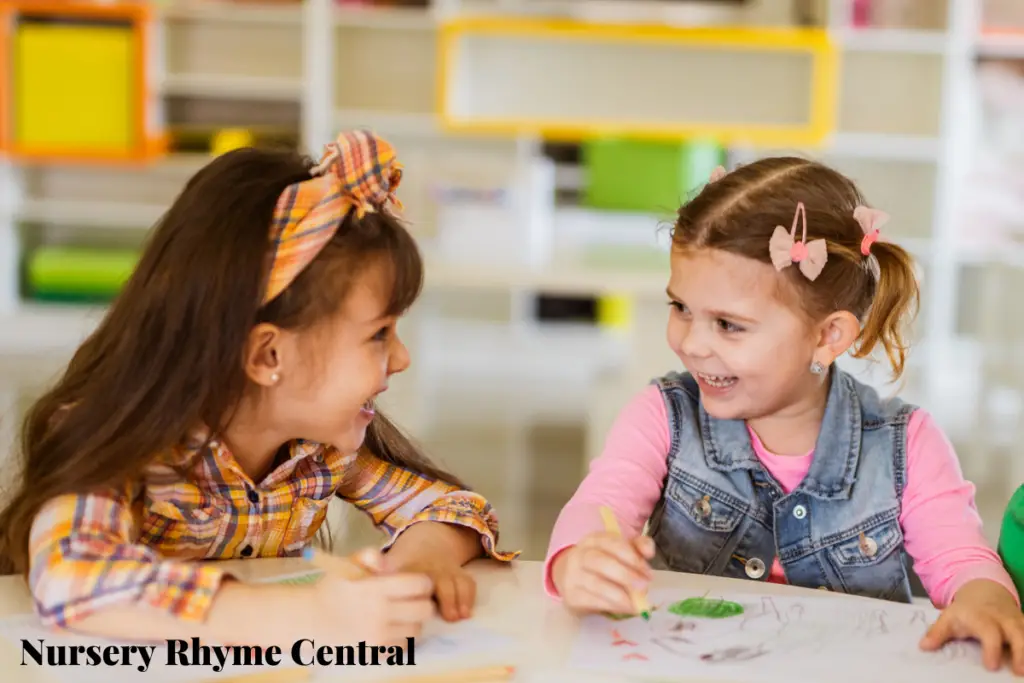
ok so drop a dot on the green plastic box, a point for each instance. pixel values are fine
(649, 177)
(1011, 539)
(57, 273)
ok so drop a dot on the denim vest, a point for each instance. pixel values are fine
(722, 513)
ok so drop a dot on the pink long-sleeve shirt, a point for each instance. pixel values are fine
(941, 526)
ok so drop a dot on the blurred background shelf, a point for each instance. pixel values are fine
(909, 125)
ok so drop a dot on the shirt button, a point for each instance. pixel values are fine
(254, 497)
(755, 568)
(247, 551)
(868, 546)
(799, 512)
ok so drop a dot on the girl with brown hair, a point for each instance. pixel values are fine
(226, 398)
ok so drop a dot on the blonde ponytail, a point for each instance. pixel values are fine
(893, 308)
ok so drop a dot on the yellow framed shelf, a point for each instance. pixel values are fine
(570, 80)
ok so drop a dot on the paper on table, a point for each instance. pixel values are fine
(776, 639)
(441, 642)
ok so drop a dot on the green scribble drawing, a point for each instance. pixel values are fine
(708, 608)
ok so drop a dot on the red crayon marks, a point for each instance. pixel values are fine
(618, 640)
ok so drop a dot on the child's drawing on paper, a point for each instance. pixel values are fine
(728, 637)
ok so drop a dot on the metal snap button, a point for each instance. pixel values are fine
(799, 512)
(703, 507)
(755, 568)
(868, 546)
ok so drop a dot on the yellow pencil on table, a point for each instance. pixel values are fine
(291, 675)
(490, 674)
(640, 603)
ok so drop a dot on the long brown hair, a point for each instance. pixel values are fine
(739, 212)
(168, 356)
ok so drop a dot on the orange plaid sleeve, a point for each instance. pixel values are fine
(82, 559)
(396, 498)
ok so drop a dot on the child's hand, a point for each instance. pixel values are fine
(598, 573)
(454, 587)
(353, 602)
(985, 611)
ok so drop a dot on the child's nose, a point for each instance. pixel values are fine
(398, 360)
(695, 343)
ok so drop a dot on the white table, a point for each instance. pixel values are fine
(510, 601)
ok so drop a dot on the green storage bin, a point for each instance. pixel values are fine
(74, 274)
(648, 177)
(1011, 539)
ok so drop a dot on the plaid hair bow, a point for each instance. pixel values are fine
(357, 171)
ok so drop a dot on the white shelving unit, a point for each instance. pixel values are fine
(905, 134)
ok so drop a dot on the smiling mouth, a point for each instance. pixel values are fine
(717, 381)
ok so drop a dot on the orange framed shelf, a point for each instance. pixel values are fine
(6, 19)
(78, 81)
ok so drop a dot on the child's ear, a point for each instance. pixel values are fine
(838, 333)
(263, 355)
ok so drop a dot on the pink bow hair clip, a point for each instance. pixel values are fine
(718, 174)
(871, 222)
(785, 250)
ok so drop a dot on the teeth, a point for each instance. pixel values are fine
(719, 381)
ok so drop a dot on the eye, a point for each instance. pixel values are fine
(382, 334)
(727, 326)
(677, 306)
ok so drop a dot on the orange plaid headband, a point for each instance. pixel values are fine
(357, 171)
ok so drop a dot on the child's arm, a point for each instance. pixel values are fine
(627, 477)
(942, 528)
(397, 499)
(83, 560)
(87, 575)
(943, 533)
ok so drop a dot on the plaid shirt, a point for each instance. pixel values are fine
(139, 544)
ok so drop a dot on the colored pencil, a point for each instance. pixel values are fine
(289, 675)
(490, 674)
(611, 525)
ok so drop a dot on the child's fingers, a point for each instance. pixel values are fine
(625, 553)
(447, 594)
(465, 587)
(406, 586)
(1014, 631)
(938, 635)
(611, 596)
(611, 568)
(990, 636)
(645, 546)
(410, 611)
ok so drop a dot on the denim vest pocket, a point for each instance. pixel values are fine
(695, 526)
(869, 561)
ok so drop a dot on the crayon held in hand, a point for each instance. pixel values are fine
(640, 604)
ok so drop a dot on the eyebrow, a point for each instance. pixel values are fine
(716, 313)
